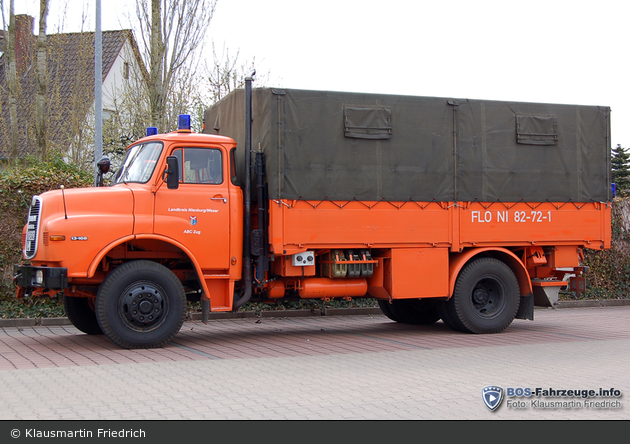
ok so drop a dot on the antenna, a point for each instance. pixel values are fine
(64, 201)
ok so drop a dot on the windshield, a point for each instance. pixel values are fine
(139, 163)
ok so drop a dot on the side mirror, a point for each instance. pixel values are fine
(103, 166)
(172, 172)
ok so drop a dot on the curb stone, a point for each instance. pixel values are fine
(33, 322)
(593, 303)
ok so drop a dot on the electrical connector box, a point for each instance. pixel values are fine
(303, 259)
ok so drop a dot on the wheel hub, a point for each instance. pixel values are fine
(480, 296)
(143, 305)
(488, 297)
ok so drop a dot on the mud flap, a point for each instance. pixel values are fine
(526, 308)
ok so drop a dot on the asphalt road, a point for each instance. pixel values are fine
(362, 367)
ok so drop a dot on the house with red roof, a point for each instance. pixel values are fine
(70, 88)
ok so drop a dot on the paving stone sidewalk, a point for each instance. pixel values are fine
(360, 367)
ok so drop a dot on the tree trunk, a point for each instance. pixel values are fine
(42, 83)
(12, 87)
(156, 87)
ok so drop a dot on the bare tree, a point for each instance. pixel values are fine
(42, 83)
(12, 83)
(130, 112)
(171, 39)
(156, 84)
(227, 73)
(81, 150)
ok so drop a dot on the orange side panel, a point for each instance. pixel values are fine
(541, 223)
(299, 225)
(417, 272)
(221, 291)
(328, 224)
(564, 257)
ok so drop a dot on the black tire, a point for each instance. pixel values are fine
(384, 306)
(411, 311)
(486, 297)
(141, 304)
(81, 314)
(447, 317)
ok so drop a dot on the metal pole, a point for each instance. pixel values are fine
(98, 92)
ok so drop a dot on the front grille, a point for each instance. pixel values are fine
(32, 228)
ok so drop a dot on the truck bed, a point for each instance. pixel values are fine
(298, 225)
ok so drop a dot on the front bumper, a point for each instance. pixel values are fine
(28, 276)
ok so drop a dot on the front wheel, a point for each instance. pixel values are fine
(486, 297)
(80, 312)
(141, 304)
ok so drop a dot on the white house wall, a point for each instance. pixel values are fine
(114, 82)
(114, 85)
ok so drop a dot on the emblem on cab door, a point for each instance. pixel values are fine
(492, 396)
(193, 220)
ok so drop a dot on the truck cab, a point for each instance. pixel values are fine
(168, 230)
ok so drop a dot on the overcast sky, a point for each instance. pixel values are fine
(550, 51)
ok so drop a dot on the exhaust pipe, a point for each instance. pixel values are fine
(247, 259)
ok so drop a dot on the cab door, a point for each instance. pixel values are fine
(197, 213)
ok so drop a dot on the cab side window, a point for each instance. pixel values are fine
(200, 165)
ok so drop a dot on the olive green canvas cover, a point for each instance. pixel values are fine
(346, 146)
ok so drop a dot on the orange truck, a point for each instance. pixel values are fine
(468, 211)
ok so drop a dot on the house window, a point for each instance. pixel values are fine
(108, 114)
(126, 71)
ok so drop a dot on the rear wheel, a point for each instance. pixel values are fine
(80, 312)
(385, 308)
(411, 311)
(141, 304)
(486, 297)
(449, 318)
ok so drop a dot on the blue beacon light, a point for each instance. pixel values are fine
(184, 123)
(151, 131)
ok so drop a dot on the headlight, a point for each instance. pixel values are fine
(39, 277)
